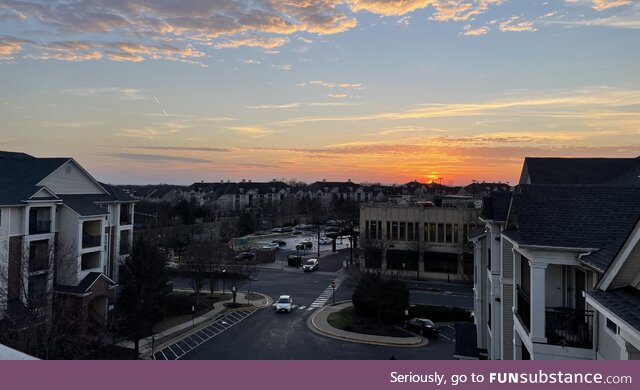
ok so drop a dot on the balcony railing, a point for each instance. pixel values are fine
(524, 308)
(569, 327)
(40, 227)
(89, 241)
(125, 217)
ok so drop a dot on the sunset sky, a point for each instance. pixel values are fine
(177, 91)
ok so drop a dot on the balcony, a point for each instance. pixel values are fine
(126, 217)
(90, 241)
(524, 308)
(39, 227)
(38, 256)
(569, 327)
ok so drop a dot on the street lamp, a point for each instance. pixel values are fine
(223, 280)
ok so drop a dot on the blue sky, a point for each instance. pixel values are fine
(177, 91)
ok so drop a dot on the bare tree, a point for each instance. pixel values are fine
(37, 321)
(197, 264)
(241, 273)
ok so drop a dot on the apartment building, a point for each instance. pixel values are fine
(548, 282)
(62, 237)
(420, 241)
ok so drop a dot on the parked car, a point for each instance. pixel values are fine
(271, 246)
(325, 240)
(279, 242)
(306, 244)
(284, 304)
(171, 265)
(245, 256)
(422, 326)
(310, 265)
(296, 232)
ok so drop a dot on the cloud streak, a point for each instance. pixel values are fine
(157, 158)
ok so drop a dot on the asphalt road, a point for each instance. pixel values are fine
(270, 336)
(266, 335)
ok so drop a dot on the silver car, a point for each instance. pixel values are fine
(310, 265)
(284, 304)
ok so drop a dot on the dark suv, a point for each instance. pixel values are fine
(422, 326)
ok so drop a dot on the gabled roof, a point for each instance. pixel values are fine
(85, 284)
(598, 218)
(585, 171)
(19, 176)
(622, 302)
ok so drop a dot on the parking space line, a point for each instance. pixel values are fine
(189, 341)
(176, 353)
(177, 346)
(196, 335)
(169, 353)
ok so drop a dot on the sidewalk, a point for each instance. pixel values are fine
(159, 340)
(318, 323)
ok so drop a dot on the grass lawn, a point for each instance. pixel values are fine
(347, 319)
(179, 308)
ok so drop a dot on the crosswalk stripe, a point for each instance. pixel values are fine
(302, 307)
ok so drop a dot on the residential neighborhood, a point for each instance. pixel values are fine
(299, 183)
(542, 270)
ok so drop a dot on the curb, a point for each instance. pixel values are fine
(311, 323)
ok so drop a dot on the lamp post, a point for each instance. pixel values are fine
(223, 280)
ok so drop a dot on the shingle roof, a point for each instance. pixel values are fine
(85, 284)
(576, 217)
(19, 176)
(496, 206)
(475, 233)
(85, 205)
(586, 171)
(623, 302)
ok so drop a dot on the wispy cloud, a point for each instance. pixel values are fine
(9, 46)
(157, 157)
(252, 41)
(585, 103)
(514, 24)
(254, 131)
(275, 106)
(120, 93)
(468, 30)
(180, 148)
(601, 5)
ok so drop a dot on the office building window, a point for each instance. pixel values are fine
(449, 233)
(456, 233)
(410, 231)
(403, 230)
(432, 232)
(441, 232)
(394, 231)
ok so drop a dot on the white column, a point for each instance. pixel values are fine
(517, 346)
(517, 263)
(538, 304)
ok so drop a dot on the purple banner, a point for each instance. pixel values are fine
(320, 375)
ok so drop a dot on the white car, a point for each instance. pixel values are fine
(271, 246)
(310, 265)
(284, 304)
(171, 265)
(324, 241)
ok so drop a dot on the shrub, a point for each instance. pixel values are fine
(385, 299)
